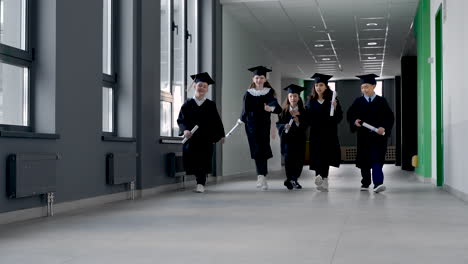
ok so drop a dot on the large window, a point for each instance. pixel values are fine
(15, 65)
(179, 23)
(109, 82)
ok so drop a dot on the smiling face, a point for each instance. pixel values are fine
(367, 89)
(201, 88)
(259, 80)
(293, 98)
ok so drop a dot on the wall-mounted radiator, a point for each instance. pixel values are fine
(121, 168)
(30, 174)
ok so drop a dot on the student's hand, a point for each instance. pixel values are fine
(187, 134)
(267, 108)
(287, 126)
(357, 122)
(221, 140)
(380, 130)
(296, 119)
(334, 104)
(294, 113)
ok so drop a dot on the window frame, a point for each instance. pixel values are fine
(172, 27)
(21, 58)
(110, 81)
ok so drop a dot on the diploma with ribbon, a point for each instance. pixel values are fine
(239, 122)
(290, 124)
(332, 108)
(191, 131)
(372, 128)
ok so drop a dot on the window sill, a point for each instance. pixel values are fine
(32, 135)
(118, 139)
(171, 140)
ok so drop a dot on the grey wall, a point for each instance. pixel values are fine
(67, 96)
(242, 50)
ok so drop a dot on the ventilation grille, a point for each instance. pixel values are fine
(348, 154)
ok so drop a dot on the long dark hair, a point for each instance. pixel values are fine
(300, 105)
(327, 94)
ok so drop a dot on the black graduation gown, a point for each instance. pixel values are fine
(324, 146)
(293, 143)
(257, 123)
(378, 114)
(198, 150)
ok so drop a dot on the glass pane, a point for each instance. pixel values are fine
(178, 95)
(178, 83)
(165, 46)
(14, 95)
(107, 110)
(13, 23)
(107, 37)
(192, 59)
(378, 88)
(165, 118)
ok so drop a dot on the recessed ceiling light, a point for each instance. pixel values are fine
(318, 45)
(372, 43)
(326, 59)
(372, 58)
(372, 24)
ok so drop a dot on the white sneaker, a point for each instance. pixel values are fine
(200, 188)
(260, 179)
(380, 188)
(318, 180)
(325, 184)
(264, 184)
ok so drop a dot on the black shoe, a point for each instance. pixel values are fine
(288, 184)
(364, 187)
(296, 184)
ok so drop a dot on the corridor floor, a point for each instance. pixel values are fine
(233, 222)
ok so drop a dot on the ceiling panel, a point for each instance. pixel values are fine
(298, 33)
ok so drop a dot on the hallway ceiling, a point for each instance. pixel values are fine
(339, 37)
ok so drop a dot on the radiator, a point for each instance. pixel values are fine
(121, 168)
(30, 174)
(348, 154)
(175, 164)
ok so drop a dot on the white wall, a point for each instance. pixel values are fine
(241, 50)
(455, 39)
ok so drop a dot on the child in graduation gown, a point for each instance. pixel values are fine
(371, 146)
(293, 142)
(324, 146)
(259, 102)
(200, 111)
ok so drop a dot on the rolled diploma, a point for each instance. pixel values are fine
(239, 122)
(332, 109)
(290, 124)
(191, 131)
(364, 124)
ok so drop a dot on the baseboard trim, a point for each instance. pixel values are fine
(457, 193)
(424, 179)
(60, 208)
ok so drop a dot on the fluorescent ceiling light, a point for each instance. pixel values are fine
(318, 45)
(372, 43)
(372, 24)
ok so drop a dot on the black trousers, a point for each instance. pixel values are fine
(293, 167)
(322, 171)
(201, 178)
(262, 166)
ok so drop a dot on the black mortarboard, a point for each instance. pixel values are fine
(321, 78)
(202, 77)
(368, 78)
(260, 70)
(292, 88)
